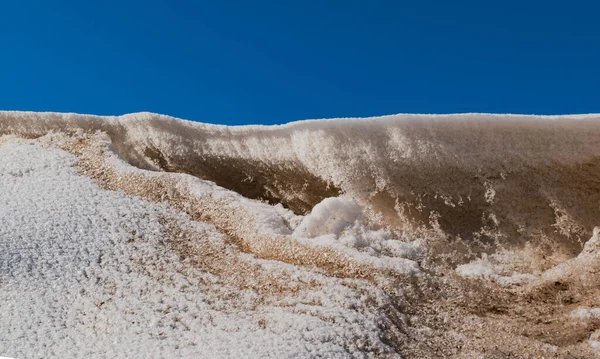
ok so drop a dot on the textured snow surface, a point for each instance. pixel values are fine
(84, 272)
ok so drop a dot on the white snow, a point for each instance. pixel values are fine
(339, 222)
(488, 268)
(586, 313)
(330, 216)
(86, 272)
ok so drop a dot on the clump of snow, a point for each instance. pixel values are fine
(340, 223)
(330, 216)
(594, 340)
(479, 268)
(586, 313)
(488, 268)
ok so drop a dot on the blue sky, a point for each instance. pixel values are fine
(239, 62)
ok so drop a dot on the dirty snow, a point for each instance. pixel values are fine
(142, 235)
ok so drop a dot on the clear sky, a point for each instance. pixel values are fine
(238, 62)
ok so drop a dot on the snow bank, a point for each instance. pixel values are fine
(162, 237)
(542, 170)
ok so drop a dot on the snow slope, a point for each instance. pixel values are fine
(86, 272)
(415, 235)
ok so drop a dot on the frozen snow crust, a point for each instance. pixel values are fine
(409, 235)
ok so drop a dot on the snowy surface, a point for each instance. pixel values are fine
(423, 235)
(488, 268)
(85, 272)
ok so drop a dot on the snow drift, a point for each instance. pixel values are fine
(363, 237)
(474, 170)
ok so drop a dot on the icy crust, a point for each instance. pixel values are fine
(86, 272)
